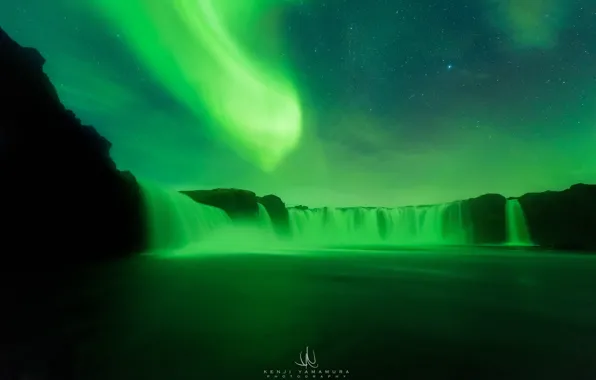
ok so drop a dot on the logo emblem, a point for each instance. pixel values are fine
(306, 361)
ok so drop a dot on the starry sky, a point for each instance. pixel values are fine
(330, 102)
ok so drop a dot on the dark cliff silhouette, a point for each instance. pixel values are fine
(564, 220)
(62, 197)
(559, 220)
(64, 206)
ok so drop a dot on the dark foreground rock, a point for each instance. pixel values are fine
(564, 220)
(64, 209)
(61, 197)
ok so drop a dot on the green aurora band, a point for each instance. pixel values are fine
(190, 47)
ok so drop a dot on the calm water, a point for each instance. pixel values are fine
(416, 314)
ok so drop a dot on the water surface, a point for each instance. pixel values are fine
(457, 313)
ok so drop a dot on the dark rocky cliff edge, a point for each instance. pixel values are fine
(61, 195)
(564, 220)
(559, 220)
(63, 205)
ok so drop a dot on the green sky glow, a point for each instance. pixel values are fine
(189, 47)
(337, 102)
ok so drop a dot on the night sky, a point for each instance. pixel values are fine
(345, 102)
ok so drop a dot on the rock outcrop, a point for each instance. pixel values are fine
(243, 205)
(278, 212)
(484, 219)
(238, 204)
(63, 206)
(559, 220)
(61, 198)
(564, 220)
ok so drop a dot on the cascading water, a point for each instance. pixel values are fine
(517, 228)
(330, 226)
(437, 224)
(263, 218)
(175, 221)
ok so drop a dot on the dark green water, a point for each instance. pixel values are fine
(415, 314)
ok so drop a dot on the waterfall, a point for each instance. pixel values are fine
(517, 228)
(175, 221)
(437, 224)
(263, 218)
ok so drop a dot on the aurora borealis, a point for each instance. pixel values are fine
(190, 47)
(330, 102)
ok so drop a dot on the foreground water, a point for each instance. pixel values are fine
(391, 314)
